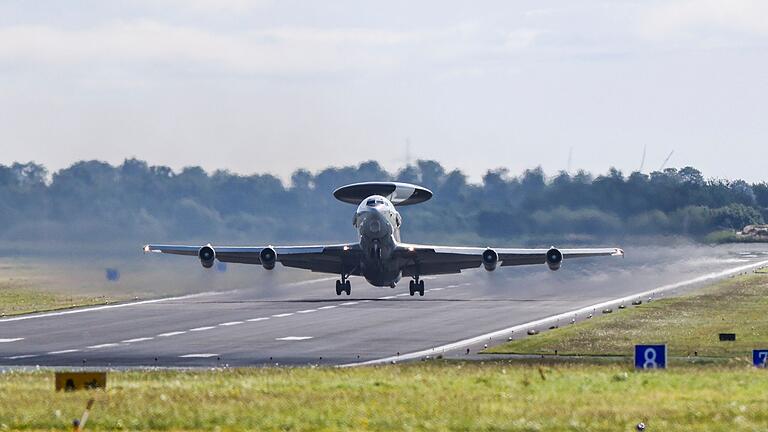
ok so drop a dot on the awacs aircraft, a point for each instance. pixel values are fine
(379, 256)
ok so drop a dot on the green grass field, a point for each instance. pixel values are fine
(689, 325)
(20, 296)
(494, 396)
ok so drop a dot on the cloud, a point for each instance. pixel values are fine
(705, 22)
(216, 6)
(277, 50)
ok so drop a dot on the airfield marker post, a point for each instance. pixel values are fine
(760, 357)
(651, 356)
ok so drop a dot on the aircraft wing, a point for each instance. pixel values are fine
(320, 258)
(430, 259)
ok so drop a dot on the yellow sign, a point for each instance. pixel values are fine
(71, 381)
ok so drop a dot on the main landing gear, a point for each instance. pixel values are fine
(343, 285)
(416, 286)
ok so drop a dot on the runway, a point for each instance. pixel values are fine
(304, 322)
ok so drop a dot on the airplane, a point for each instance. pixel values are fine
(379, 256)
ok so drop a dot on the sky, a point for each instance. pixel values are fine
(271, 86)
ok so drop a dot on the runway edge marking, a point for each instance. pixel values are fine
(137, 303)
(477, 339)
(107, 307)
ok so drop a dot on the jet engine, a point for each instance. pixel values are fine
(268, 258)
(554, 259)
(490, 259)
(207, 256)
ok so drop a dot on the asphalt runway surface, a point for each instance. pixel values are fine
(304, 322)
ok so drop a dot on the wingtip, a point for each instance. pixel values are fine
(147, 249)
(619, 252)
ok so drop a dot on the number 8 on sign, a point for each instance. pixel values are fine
(650, 359)
(650, 356)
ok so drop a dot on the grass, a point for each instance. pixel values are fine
(20, 296)
(689, 325)
(729, 236)
(514, 396)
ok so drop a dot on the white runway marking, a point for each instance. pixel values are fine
(283, 315)
(174, 333)
(348, 304)
(141, 339)
(197, 329)
(63, 351)
(106, 345)
(327, 307)
(293, 338)
(404, 294)
(567, 315)
(6, 340)
(364, 301)
(201, 355)
(231, 323)
(436, 289)
(257, 319)
(307, 311)
(107, 307)
(19, 357)
(386, 298)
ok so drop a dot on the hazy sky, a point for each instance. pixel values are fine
(270, 86)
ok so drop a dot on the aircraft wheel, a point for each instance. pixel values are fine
(421, 288)
(338, 287)
(412, 288)
(348, 287)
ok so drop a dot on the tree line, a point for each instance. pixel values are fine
(93, 201)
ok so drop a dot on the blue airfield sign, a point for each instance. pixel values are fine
(760, 357)
(650, 356)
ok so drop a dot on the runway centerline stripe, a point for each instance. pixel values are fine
(19, 357)
(258, 319)
(327, 307)
(293, 338)
(141, 339)
(231, 323)
(6, 340)
(307, 311)
(200, 355)
(386, 297)
(283, 315)
(173, 333)
(106, 345)
(348, 304)
(67, 351)
(566, 315)
(197, 329)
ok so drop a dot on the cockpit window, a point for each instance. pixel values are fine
(371, 203)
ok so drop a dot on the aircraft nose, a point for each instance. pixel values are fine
(373, 225)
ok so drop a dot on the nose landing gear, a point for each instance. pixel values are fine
(416, 286)
(343, 285)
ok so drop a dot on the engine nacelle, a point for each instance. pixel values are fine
(207, 256)
(554, 259)
(268, 258)
(490, 259)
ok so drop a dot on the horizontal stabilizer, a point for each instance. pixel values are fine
(398, 193)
